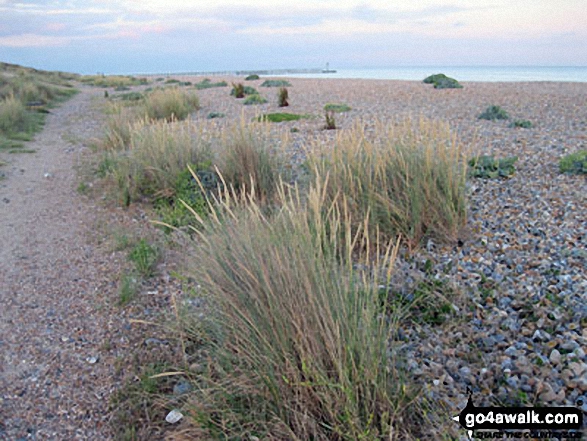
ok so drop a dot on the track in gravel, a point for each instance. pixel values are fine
(55, 377)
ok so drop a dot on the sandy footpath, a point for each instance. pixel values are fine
(55, 378)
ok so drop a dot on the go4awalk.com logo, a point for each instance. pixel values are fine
(521, 422)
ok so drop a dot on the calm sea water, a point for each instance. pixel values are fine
(493, 74)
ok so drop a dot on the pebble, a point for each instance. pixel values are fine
(174, 416)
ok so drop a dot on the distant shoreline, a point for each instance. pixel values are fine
(418, 73)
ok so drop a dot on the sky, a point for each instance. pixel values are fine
(153, 36)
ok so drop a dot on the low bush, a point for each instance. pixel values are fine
(338, 108)
(330, 122)
(213, 115)
(112, 80)
(207, 84)
(145, 257)
(252, 77)
(254, 99)
(408, 177)
(239, 90)
(281, 117)
(154, 157)
(282, 97)
(297, 347)
(522, 123)
(170, 103)
(275, 83)
(493, 113)
(574, 163)
(441, 81)
(488, 167)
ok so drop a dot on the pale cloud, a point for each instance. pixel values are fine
(33, 40)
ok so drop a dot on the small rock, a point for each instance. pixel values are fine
(92, 360)
(174, 416)
(183, 387)
(555, 356)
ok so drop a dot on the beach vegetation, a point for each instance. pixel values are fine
(407, 177)
(522, 123)
(441, 81)
(330, 122)
(254, 99)
(112, 81)
(170, 104)
(239, 90)
(207, 84)
(252, 77)
(493, 113)
(488, 167)
(574, 163)
(144, 256)
(282, 97)
(338, 108)
(275, 83)
(307, 267)
(281, 117)
(213, 115)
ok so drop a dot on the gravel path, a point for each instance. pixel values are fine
(55, 375)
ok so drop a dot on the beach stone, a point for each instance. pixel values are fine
(555, 357)
(174, 416)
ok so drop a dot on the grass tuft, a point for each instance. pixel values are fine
(338, 108)
(408, 178)
(493, 113)
(574, 163)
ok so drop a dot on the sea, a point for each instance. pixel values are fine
(461, 73)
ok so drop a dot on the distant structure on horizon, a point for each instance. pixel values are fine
(328, 70)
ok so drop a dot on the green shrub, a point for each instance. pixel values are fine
(254, 99)
(434, 78)
(575, 163)
(409, 178)
(298, 345)
(207, 84)
(522, 123)
(282, 97)
(187, 190)
(171, 81)
(493, 113)
(127, 289)
(441, 81)
(239, 90)
(338, 108)
(330, 123)
(213, 115)
(145, 257)
(276, 83)
(130, 96)
(252, 77)
(280, 117)
(155, 156)
(488, 167)
(112, 80)
(447, 83)
(170, 104)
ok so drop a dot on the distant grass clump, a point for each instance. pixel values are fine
(252, 77)
(213, 115)
(113, 80)
(330, 122)
(298, 343)
(25, 98)
(488, 167)
(254, 99)
(522, 123)
(409, 178)
(275, 83)
(169, 104)
(441, 81)
(493, 113)
(239, 90)
(338, 108)
(281, 117)
(574, 163)
(129, 96)
(207, 84)
(283, 97)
